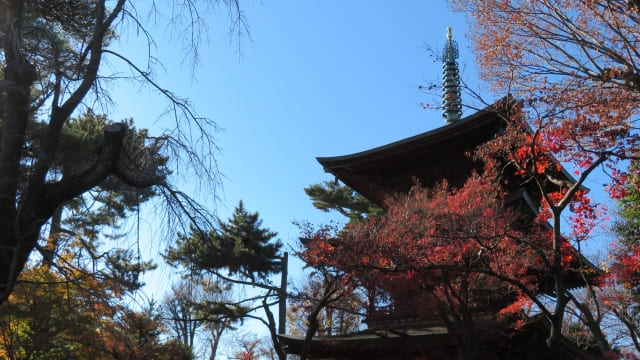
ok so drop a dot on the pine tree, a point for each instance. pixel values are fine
(66, 294)
(243, 248)
(331, 195)
(241, 245)
(51, 67)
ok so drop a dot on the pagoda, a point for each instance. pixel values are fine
(429, 158)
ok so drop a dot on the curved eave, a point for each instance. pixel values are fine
(478, 119)
(427, 157)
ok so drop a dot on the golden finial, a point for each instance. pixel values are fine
(449, 34)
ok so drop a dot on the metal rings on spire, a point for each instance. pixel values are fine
(451, 95)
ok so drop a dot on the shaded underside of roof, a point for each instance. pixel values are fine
(427, 158)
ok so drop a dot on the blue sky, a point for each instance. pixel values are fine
(317, 78)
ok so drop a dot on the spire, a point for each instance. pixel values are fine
(451, 99)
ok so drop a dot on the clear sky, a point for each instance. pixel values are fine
(317, 78)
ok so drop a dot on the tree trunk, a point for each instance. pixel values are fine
(27, 203)
(19, 76)
(272, 328)
(215, 342)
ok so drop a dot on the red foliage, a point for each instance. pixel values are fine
(579, 92)
(441, 246)
(626, 269)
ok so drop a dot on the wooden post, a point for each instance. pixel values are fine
(282, 313)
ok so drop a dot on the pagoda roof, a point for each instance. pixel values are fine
(378, 344)
(429, 157)
(435, 341)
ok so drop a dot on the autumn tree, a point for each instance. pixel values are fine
(328, 302)
(53, 315)
(44, 317)
(247, 347)
(627, 228)
(52, 54)
(341, 315)
(182, 318)
(461, 252)
(621, 319)
(331, 290)
(574, 67)
(622, 297)
(567, 71)
(432, 257)
(137, 335)
(323, 305)
(203, 307)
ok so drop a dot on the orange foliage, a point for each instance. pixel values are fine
(574, 65)
(54, 315)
